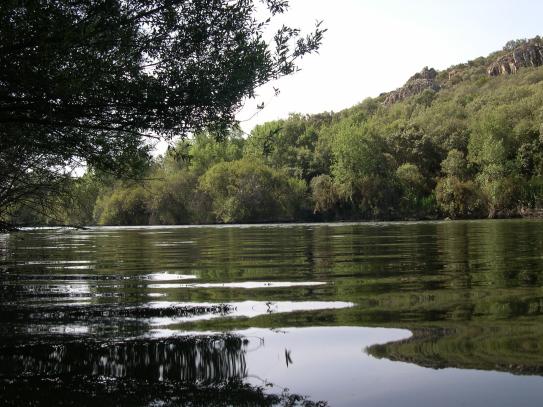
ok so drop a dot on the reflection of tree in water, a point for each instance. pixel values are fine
(515, 349)
(206, 360)
(203, 371)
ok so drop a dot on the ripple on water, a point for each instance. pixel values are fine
(243, 284)
(167, 277)
(242, 309)
(174, 244)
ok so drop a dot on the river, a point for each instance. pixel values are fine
(340, 314)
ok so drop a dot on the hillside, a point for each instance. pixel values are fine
(515, 56)
(464, 142)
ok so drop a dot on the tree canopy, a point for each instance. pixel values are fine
(90, 82)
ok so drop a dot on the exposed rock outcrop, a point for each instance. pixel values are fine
(418, 83)
(525, 55)
(452, 73)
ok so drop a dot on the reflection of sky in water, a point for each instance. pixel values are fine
(174, 244)
(59, 262)
(82, 267)
(70, 329)
(247, 309)
(330, 364)
(72, 288)
(243, 284)
(167, 277)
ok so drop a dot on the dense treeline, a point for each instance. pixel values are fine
(472, 149)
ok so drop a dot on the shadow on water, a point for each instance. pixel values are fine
(191, 370)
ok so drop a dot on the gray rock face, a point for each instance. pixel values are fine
(525, 55)
(418, 83)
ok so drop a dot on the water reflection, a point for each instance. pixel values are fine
(195, 370)
(244, 284)
(206, 360)
(470, 292)
(168, 277)
(159, 318)
(516, 350)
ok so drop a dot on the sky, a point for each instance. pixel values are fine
(374, 46)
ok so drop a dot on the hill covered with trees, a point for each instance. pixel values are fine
(465, 142)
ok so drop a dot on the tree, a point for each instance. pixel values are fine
(249, 191)
(123, 206)
(175, 200)
(459, 199)
(455, 165)
(205, 150)
(289, 144)
(363, 171)
(91, 82)
(414, 188)
(323, 193)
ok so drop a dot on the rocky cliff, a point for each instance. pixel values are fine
(516, 55)
(418, 83)
(525, 55)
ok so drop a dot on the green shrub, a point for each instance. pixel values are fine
(459, 199)
(248, 191)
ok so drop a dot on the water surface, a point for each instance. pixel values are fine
(408, 314)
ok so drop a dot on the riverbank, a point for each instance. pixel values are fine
(534, 215)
